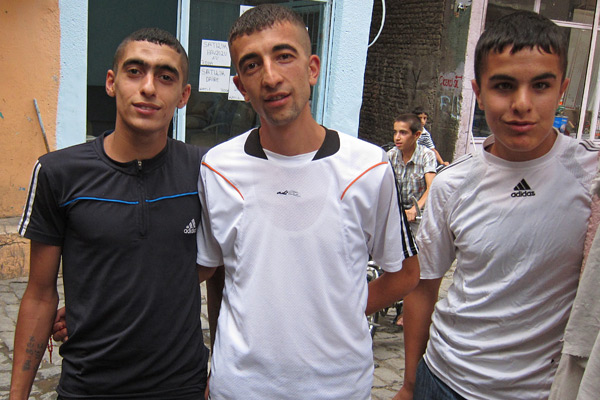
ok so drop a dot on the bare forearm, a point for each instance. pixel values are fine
(428, 181)
(418, 307)
(438, 157)
(34, 325)
(391, 287)
(214, 295)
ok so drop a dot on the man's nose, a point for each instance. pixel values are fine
(148, 85)
(271, 76)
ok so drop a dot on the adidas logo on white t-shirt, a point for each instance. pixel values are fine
(522, 190)
(190, 229)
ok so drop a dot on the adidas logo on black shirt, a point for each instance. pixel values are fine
(522, 190)
(190, 228)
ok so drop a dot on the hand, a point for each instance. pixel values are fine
(207, 391)
(59, 329)
(403, 394)
(445, 163)
(411, 214)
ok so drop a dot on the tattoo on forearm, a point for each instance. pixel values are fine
(35, 350)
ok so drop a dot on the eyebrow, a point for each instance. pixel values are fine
(276, 48)
(159, 67)
(502, 77)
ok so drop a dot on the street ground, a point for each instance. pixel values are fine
(388, 347)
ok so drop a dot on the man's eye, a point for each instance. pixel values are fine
(133, 71)
(167, 78)
(541, 85)
(504, 86)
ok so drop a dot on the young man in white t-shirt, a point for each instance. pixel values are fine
(514, 217)
(293, 211)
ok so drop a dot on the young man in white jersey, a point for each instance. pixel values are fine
(514, 216)
(295, 210)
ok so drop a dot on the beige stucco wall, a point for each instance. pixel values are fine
(29, 69)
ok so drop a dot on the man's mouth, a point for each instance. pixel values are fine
(521, 126)
(146, 106)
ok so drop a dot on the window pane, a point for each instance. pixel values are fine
(499, 8)
(495, 10)
(102, 43)
(579, 46)
(592, 97)
(578, 54)
(211, 117)
(569, 10)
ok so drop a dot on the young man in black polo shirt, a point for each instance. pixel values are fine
(121, 212)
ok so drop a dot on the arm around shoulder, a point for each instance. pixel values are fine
(36, 317)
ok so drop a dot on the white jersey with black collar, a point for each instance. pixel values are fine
(295, 234)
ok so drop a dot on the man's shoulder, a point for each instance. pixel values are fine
(181, 148)
(460, 170)
(353, 143)
(71, 155)
(235, 144)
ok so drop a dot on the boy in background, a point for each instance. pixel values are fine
(414, 165)
(514, 216)
(425, 139)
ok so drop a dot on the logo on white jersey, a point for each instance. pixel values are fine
(522, 190)
(190, 229)
(289, 193)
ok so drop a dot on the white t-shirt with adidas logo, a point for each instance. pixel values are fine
(516, 230)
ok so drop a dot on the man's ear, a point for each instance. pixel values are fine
(110, 83)
(418, 134)
(240, 86)
(314, 69)
(564, 85)
(185, 96)
(477, 91)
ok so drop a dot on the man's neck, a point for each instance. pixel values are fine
(301, 136)
(123, 146)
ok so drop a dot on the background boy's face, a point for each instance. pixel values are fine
(519, 94)
(404, 139)
(423, 118)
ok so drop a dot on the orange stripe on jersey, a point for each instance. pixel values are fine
(221, 175)
(360, 176)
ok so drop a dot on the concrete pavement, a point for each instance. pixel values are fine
(388, 347)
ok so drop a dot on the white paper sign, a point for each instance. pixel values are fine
(214, 80)
(215, 52)
(234, 93)
(243, 9)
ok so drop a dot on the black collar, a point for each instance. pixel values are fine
(330, 145)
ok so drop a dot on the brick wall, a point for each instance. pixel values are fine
(404, 67)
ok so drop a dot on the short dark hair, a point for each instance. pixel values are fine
(419, 110)
(521, 29)
(414, 123)
(262, 17)
(156, 36)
